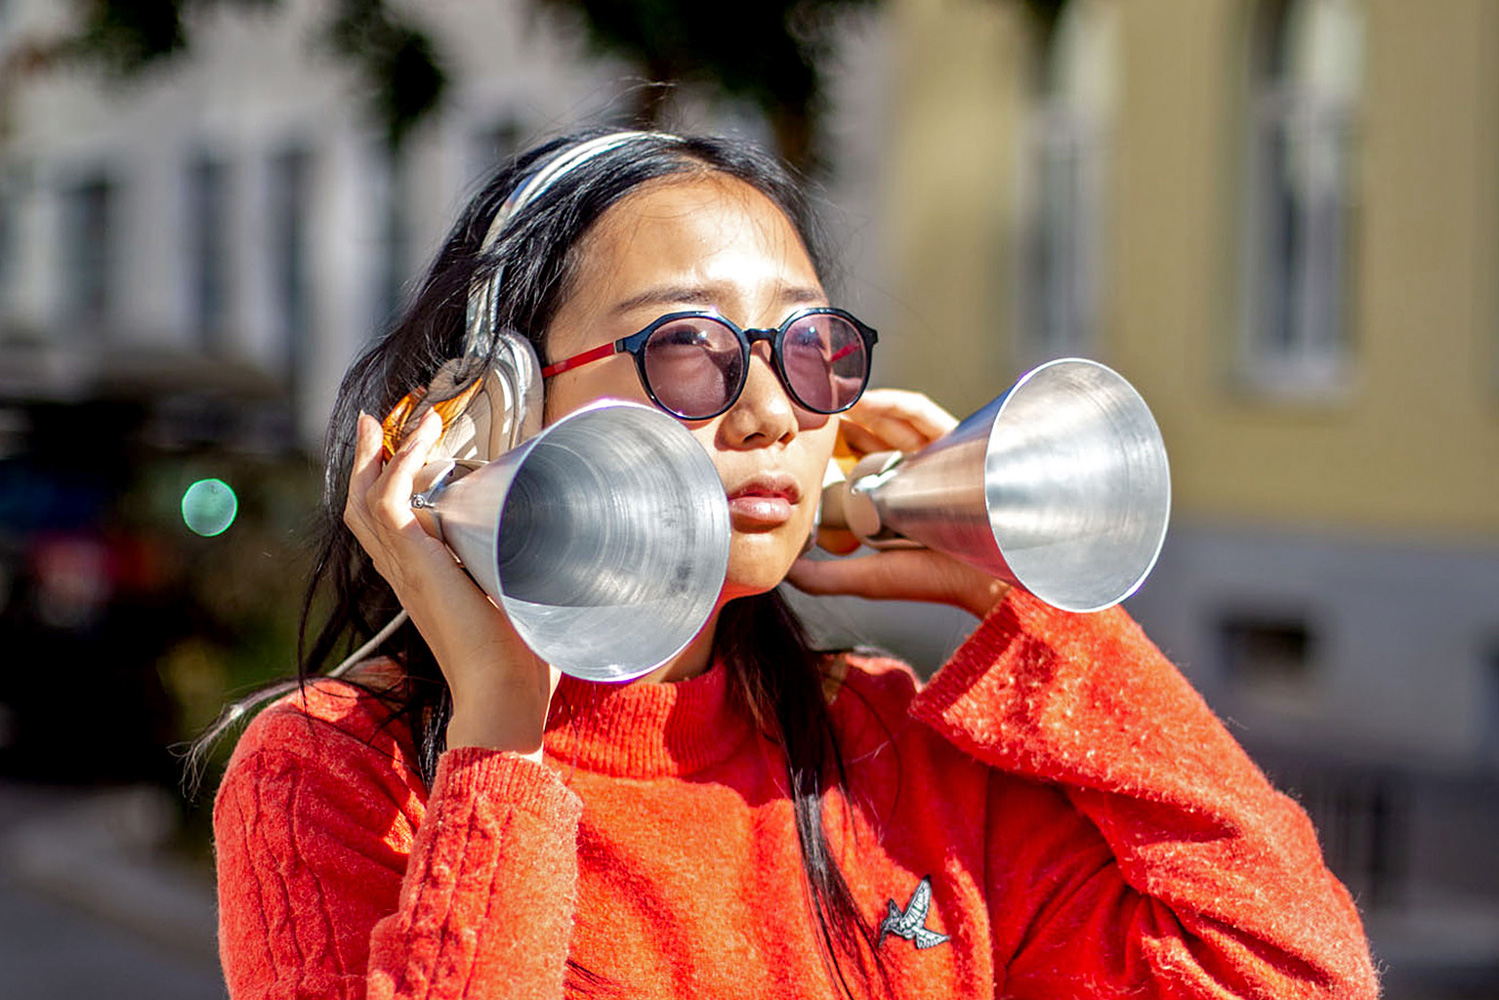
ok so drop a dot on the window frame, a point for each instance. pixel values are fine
(1299, 254)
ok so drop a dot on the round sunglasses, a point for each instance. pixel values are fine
(694, 364)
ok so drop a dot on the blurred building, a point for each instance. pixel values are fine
(1279, 220)
(236, 206)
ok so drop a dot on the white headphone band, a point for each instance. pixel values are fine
(484, 295)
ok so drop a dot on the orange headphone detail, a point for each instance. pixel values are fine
(411, 408)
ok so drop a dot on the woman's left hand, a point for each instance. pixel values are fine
(899, 420)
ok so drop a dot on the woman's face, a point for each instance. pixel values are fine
(700, 243)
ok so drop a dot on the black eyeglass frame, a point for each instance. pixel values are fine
(634, 345)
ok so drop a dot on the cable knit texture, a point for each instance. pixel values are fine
(1087, 828)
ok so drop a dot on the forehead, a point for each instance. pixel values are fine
(707, 230)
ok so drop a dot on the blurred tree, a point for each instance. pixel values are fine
(770, 52)
(1044, 15)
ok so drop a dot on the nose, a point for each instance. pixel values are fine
(763, 414)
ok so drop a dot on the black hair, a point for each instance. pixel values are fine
(775, 672)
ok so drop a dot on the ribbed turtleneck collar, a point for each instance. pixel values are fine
(644, 730)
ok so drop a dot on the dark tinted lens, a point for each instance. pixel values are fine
(825, 361)
(694, 366)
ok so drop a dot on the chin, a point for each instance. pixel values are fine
(739, 585)
(755, 572)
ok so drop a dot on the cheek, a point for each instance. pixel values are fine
(612, 378)
(819, 452)
(706, 433)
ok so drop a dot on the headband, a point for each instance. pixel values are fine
(484, 294)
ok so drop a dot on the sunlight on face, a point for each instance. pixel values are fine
(706, 242)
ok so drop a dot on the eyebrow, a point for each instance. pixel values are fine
(701, 295)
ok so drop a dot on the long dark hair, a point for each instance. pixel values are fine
(775, 672)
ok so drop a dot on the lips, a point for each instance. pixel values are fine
(769, 484)
(764, 501)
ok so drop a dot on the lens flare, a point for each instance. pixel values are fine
(209, 507)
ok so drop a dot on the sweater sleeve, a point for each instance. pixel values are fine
(1167, 865)
(329, 887)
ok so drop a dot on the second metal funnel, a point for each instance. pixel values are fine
(1060, 486)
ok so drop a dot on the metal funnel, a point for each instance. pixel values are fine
(1060, 486)
(605, 538)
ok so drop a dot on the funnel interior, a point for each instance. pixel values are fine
(613, 543)
(1077, 486)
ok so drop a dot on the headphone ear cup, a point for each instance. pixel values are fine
(514, 391)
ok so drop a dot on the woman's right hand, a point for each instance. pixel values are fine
(501, 690)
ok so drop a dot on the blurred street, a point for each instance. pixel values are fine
(55, 950)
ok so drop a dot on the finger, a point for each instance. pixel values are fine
(915, 408)
(886, 435)
(366, 446)
(415, 449)
(390, 494)
(908, 575)
(895, 418)
(875, 576)
(365, 468)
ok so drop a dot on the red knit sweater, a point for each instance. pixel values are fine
(1085, 825)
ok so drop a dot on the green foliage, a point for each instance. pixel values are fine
(128, 35)
(397, 60)
(1046, 14)
(769, 52)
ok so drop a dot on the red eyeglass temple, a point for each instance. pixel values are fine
(602, 351)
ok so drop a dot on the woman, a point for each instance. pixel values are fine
(1056, 814)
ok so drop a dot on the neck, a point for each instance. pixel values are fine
(696, 658)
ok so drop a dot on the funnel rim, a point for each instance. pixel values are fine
(713, 508)
(1158, 542)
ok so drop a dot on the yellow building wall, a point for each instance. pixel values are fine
(951, 174)
(1411, 447)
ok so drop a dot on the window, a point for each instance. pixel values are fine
(208, 251)
(1362, 815)
(1062, 174)
(1306, 74)
(89, 210)
(290, 202)
(1269, 660)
